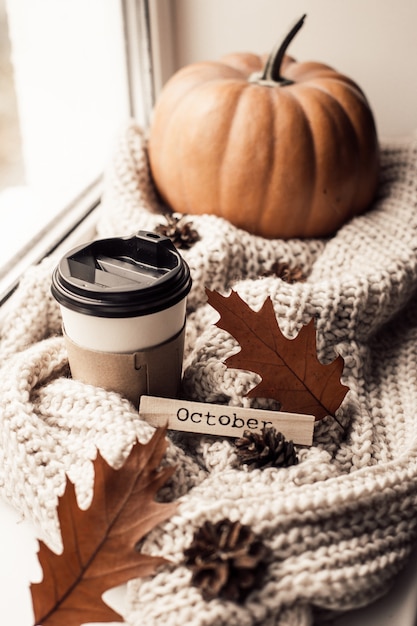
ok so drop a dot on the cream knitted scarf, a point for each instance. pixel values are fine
(341, 523)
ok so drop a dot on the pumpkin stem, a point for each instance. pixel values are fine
(271, 74)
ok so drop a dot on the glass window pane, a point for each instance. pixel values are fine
(65, 103)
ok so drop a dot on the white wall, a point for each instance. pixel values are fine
(373, 41)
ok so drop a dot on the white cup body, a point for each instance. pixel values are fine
(126, 334)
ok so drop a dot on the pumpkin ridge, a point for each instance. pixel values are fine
(225, 210)
(296, 210)
(333, 200)
(266, 192)
(226, 117)
(336, 101)
(220, 192)
(223, 176)
(342, 110)
(358, 97)
(347, 85)
(191, 72)
(198, 85)
(313, 163)
(182, 204)
(183, 199)
(157, 147)
(263, 202)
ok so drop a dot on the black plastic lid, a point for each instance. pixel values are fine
(122, 277)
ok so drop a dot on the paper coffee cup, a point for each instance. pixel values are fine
(123, 306)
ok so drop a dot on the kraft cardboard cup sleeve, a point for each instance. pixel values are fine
(123, 306)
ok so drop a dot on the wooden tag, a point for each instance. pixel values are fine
(225, 421)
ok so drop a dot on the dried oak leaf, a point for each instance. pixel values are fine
(290, 370)
(99, 542)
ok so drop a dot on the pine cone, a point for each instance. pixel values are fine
(285, 272)
(226, 559)
(178, 230)
(266, 449)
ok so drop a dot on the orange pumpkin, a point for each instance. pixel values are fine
(280, 149)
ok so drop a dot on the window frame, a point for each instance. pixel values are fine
(74, 220)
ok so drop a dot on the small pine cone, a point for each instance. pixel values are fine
(226, 559)
(266, 449)
(285, 272)
(178, 230)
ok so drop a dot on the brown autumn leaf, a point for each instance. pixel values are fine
(99, 542)
(290, 370)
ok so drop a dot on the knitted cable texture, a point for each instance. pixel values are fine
(341, 523)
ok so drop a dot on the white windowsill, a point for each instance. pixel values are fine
(73, 226)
